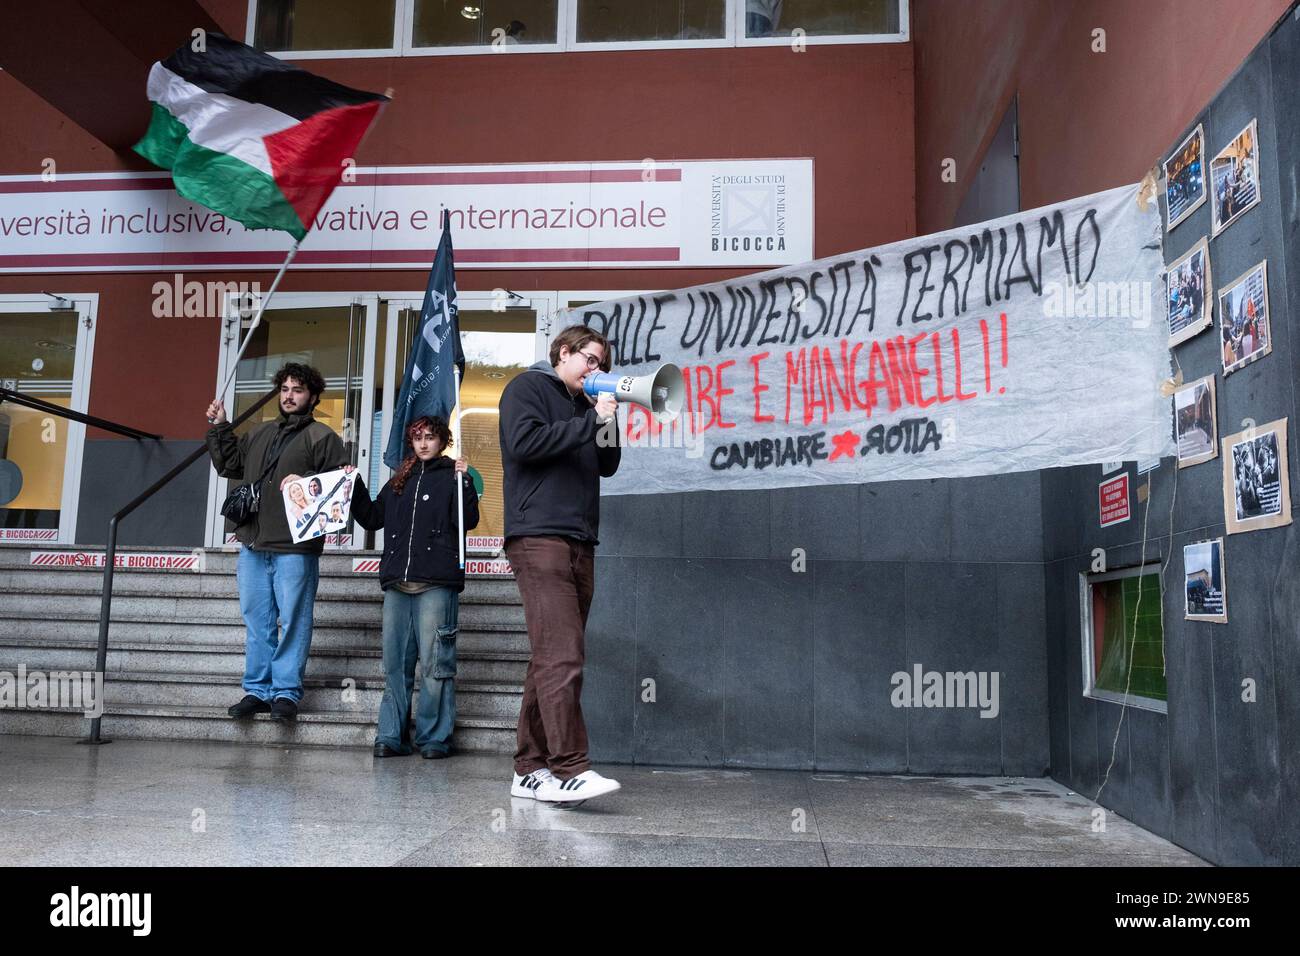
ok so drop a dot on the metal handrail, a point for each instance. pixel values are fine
(40, 405)
(110, 554)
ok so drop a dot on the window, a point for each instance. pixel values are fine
(487, 23)
(1123, 637)
(315, 25)
(608, 21)
(778, 20)
(307, 29)
(45, 356)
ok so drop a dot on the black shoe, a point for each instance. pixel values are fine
(282, 708)
(434, 754)
(383, 750)
(249, 706)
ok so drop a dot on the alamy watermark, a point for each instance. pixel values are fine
(77, 909)
(193, 299)
(640, 435)
(922, 688)
(1100, 300)
(57, 690)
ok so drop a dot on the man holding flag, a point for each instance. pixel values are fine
(262, 142)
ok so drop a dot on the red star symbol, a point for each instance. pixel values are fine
(845, 444)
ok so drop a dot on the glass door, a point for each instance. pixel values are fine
(501, 337)
(45, 348)
(333, 333)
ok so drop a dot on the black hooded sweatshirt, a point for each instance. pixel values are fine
(551, 458)
(419, 522)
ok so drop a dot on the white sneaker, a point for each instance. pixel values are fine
(527, 785)
(582, 787)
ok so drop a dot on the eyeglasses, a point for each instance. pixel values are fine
(592, 361)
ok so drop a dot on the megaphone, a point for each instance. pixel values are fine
(661, 392)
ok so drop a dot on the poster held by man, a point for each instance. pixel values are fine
(304, 509)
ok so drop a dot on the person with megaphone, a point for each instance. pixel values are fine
(556, 444)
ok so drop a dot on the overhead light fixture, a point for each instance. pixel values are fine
(470, 12)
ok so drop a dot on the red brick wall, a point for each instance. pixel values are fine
(849, 107)
(1088, 121)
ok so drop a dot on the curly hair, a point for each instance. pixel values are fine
(306, 376)
(423, 423)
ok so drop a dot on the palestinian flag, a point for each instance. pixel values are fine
(252, 137)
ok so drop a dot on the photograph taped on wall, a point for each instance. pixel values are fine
(319, 505)
(1256, 483)
(1196, 420)
(1234, 176)
(1185, 178)
(1189, 293)
(1205, 583)
(1244, 332)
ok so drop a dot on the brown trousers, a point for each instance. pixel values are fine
(556, 578)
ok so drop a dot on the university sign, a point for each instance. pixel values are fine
(728, 213)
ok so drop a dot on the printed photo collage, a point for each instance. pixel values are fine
(1256, 485)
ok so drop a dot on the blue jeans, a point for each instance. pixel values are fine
(277, 592)
(422, 625)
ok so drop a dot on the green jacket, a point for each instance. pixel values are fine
(311, 450)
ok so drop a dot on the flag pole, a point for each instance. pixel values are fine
(460, 484)
(257, 320)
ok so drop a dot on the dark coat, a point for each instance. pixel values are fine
(551, 459)
(310, 448)
(419, 524)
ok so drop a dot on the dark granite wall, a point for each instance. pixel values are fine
(759, 665)
(1217, 775)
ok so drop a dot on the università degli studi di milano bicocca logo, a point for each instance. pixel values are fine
(747, 213)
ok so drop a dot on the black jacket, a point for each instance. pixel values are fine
(309, 448)
(419, 524)
(551, 459)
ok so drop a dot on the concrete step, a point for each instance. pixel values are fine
(498, 667)
(484, 637)
(156, 722)
(320, 695)
(18, 555)
(222, 608)
(177, 652)
(336, 587)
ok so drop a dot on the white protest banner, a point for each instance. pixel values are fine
(1021, 343)
(742, 212)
